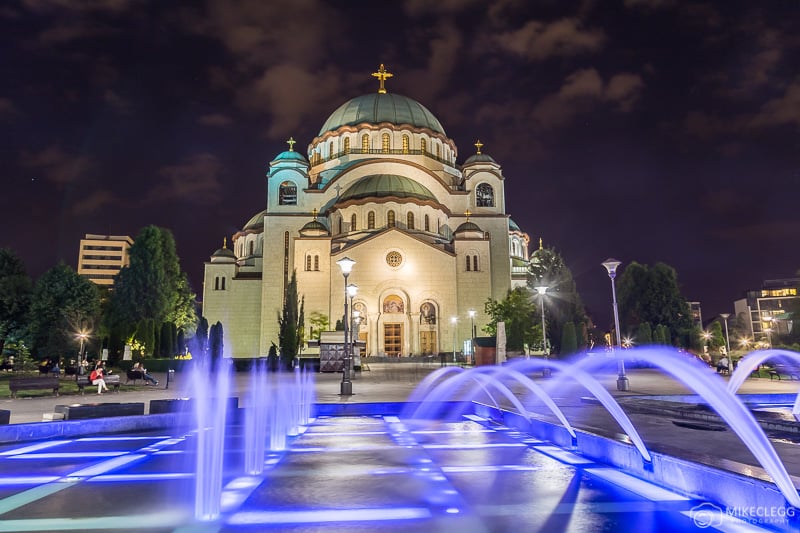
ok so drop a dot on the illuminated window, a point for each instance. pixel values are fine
(287, 194)
(427, 223)
(468, 264)
(394, 259)
(316, 263)
(410, 220)
(371, 220)
(347, 145)
(252, 247)
(365, 143)
(353, 222)
(484, 195)
(390, 219)
(385, 143)
(312, 262)
(405, 144)
(423, 145)
(438, 151)
(308, 262)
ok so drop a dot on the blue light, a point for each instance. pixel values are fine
(305, 516)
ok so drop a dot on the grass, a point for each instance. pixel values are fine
(67, 386)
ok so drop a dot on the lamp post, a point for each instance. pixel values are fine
(725, 317)
(82, 336)
(472, 330)
(611, 265)
(541, 289)
(453, 321)
(771, 321)
(352, 290)
(346, 389)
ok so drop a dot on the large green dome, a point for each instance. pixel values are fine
(387, 185)
(376, 107)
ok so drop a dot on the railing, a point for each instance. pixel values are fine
(390, 151)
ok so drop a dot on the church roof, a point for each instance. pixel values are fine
(468, 226)
(479, 158)
(383, 185)
(223, 253)
(382, 107)
(314, 227)
(256, 223)
(512, 226)
(291, 155)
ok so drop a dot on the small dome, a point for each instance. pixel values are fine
(479, 158)
(223, 255)
(375, 108)
(315, 228)
(387, 185)
(291, 155)
(256, 223)
(468, 227)
(512, 226)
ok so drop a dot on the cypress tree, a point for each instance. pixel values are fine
(569, 343)
(291, 324)
(644, 335)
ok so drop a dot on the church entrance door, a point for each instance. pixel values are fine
(427, 342)
(393, 339)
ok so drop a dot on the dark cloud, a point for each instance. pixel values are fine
(94, 202)
(195, 180)
(8, 109)
(783, 110)
(58, 166)
(215, 119)
(537, 41)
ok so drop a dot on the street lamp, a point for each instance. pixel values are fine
(346, 264)
(541, 289)
(611, 265)
(725, 317)
(472, 330)
(82, 336)
(352, 290)
(453, 321)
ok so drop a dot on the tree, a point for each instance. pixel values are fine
(518, 312)
(569, 341)
(15, 296)
(291, 324)
(319, 323)
(63, 304)
(562, 302)
(216, 344)
(663, 335)
(644, 335)
(153, 287)
(652, 294)
(198, 344)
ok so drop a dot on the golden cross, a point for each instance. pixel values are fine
(382, 76)
(314, 212)
(467, 213)
(291, 142)
(540, 243)
(224, 242)
(479, 145)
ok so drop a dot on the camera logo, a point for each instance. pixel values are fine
(706, 515)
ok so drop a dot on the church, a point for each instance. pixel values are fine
(380, 185)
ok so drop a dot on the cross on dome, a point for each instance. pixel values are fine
(291, 142)
(225, 242)
(467, 214)
(314, 212)
(382, 76)
(479, 145)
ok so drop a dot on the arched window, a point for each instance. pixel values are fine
(252, 247)
(390, 219)
(427, 223)
(308, 262)
(405, 144)
(438, 151)
(468, 263)
(475, 263)
(353, 222)
(339, 225)
(410, 220)
(223, 283)
(216, 283)
(347, 145)
(316, 263)
(385, 143)
(423, 145)
(330, 149)
(287, 194)
(484, 195)
(371, 220)
(365, 143)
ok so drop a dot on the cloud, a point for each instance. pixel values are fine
(537, 41)
(215, 119)
(117, 102)
(195, 180)
(444, 49)
(649, 4)
(84, 6)
(7, 109)
(57, 166)
(582, 91)
(94, 202)
(782, 110)
(425, 7)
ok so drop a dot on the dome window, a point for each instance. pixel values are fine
(427, 223)
(390, 219)
(405, 144)
(353, 222)
(484, 195)
(330, 150)
(252, 247)
(371, 220)
(287, 195)
(385, 143)
(347, 145)
(365, 143)
(423, 145)
(410, 220)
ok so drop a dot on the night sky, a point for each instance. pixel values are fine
(646, 130)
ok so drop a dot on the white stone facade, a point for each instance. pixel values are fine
(431, 238)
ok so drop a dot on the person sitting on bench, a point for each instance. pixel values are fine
(137, 367)
(722, 364)
(96, 378)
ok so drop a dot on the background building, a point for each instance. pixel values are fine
(380, 185)
(767, 309)
(101, 257)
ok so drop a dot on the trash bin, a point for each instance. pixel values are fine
(170, 377)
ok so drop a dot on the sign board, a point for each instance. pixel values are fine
(126, 355)
(104, 355)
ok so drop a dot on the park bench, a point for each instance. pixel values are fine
(45, 383)
(133, 375)
(112, 382)
(783, 370)
(99, 410)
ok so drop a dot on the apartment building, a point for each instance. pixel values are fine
(101, 257)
